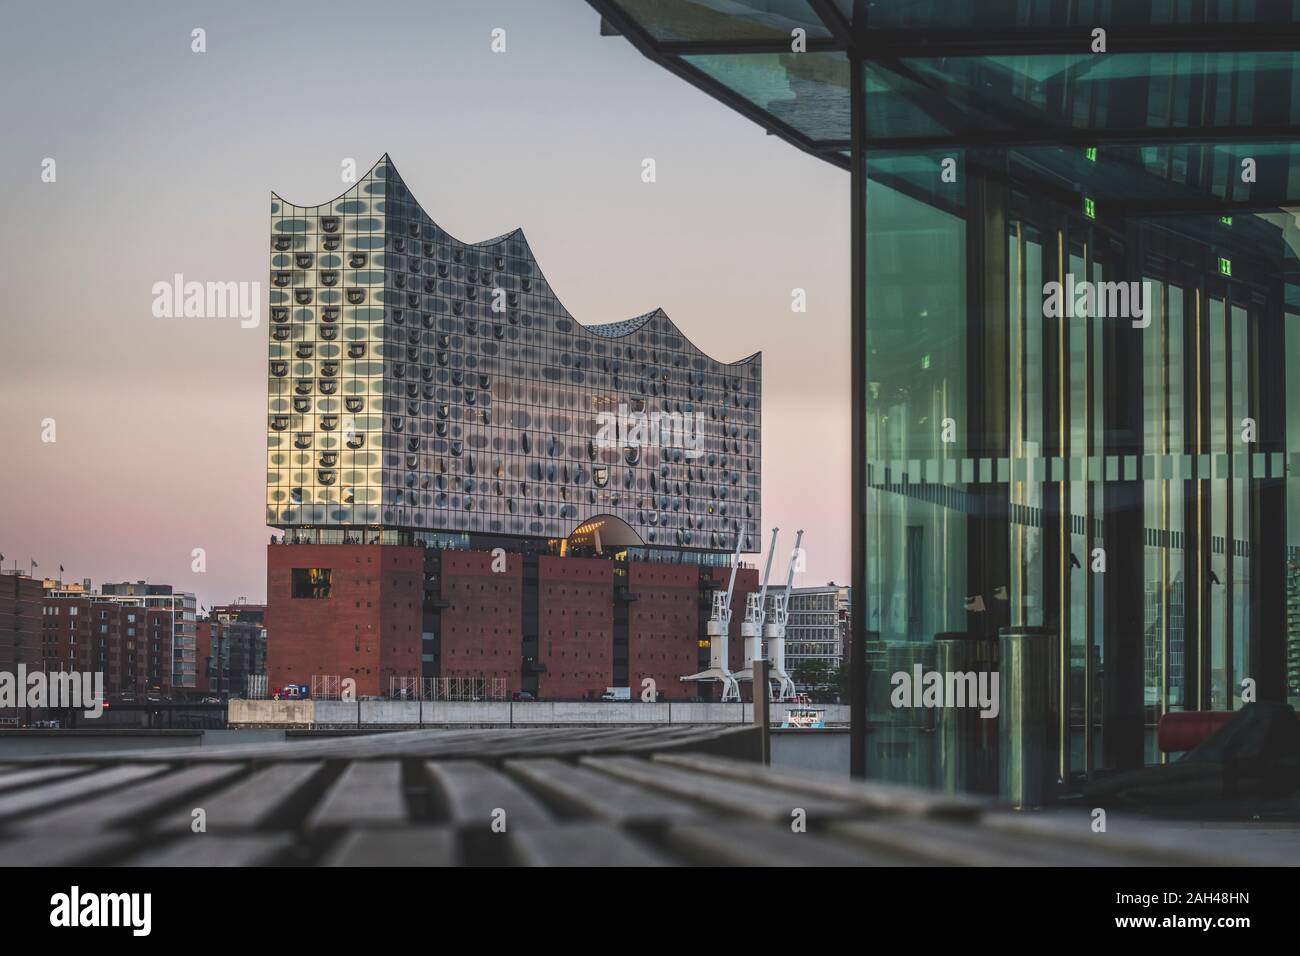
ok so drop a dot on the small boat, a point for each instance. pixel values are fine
(804, 716)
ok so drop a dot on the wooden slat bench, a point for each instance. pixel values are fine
(657, 795)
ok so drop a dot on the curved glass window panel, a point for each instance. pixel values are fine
(807, 91)
(724, 19)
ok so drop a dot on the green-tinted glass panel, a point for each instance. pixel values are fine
(1114, 91)
(724, 19)
(918, 448)
(899, 106)
(1048, 97)
(1150, 179)
(808, 91)
(1292, 336)
(1133, 431)
(1030, 14)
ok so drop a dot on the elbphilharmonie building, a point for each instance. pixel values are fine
(476, 489)
(419, 384)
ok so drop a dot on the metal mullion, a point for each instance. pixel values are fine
(858, 443)
(834, 21)
(1030, 135)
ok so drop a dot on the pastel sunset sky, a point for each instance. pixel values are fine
(165, 163)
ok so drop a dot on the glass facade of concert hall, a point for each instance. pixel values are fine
(1076, 329)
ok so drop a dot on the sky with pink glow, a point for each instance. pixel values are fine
(165, 161)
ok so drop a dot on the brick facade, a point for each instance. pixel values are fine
(367, 627)
(370, 625)
(575, 627)
(664, 627)
(20, 620)
(482, 624)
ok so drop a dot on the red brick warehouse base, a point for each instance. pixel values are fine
(369, 622)
(368, 625)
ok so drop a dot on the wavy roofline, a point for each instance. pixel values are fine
(644, 317)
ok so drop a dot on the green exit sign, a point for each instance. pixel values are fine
(1225, 266)
(1226, 220)
(1089, 208)
(1091, 153)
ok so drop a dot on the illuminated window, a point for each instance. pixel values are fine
(311, 582)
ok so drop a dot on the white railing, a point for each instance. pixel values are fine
(256, 689)
(326, 687)
(447, 688)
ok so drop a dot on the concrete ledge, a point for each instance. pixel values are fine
(469, 712)
(277, 713)
(398, 714)
(563, 712)
(96, 732)
(39, 742)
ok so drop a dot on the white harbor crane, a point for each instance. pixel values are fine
(718, 628)
(776, 621)
(751, 628)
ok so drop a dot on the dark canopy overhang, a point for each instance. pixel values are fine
(1158, 124)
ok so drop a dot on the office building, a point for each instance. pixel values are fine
(142, 636)
(816, 633)
(228, 651)
(20, 619)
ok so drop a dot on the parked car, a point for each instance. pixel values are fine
(523, 695)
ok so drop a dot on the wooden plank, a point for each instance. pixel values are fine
(207, 849)
(756, 844)
(400, 846)
(932, 842)
(67, 849)
(368, 792)
(18, 802)
(873, 796)
(469, 794)
(586, 792)
(523, 742)
(254, 802)
(731, 796)
(137, 804)
(44, 774)
(494, 742)
(581, 844)
(1130, 840)
(616, 740)
(489, 746)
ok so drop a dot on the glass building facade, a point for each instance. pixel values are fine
(1076, 329)
(425, 389)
